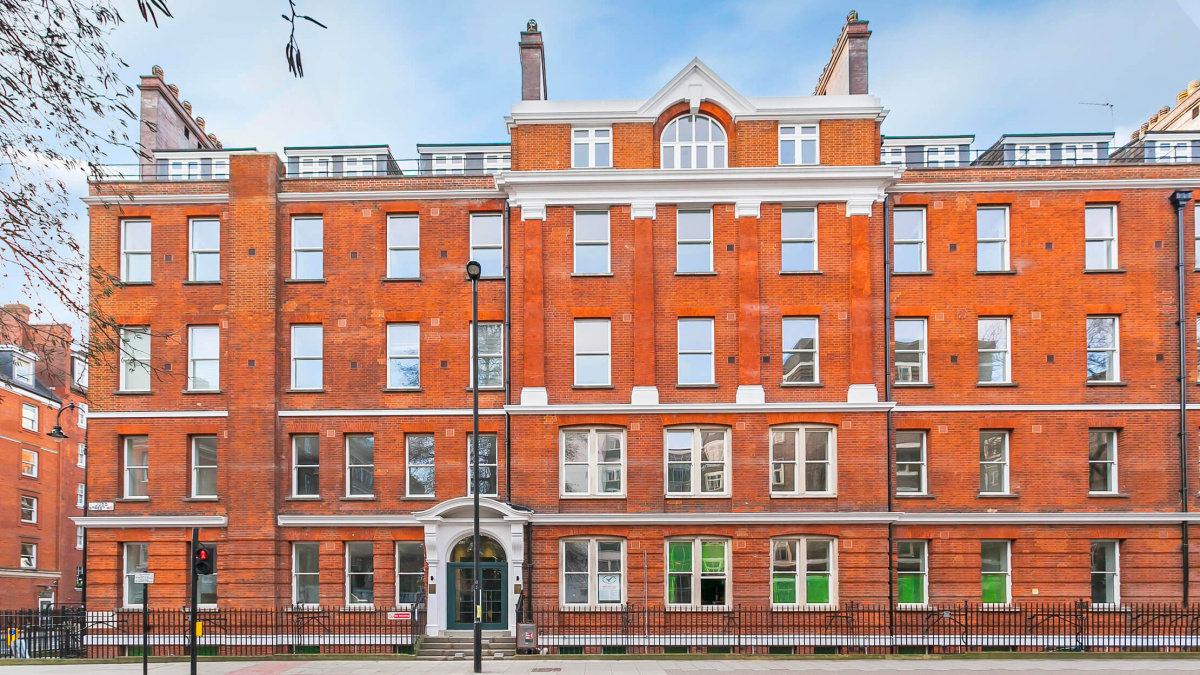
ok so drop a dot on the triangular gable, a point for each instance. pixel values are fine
(695, 83)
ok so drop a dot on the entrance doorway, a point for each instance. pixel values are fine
(493, 572)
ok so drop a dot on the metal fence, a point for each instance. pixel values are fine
(869, 629)
(70, 632)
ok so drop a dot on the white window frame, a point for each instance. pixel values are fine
(893, 155)
(348, 574)
(204, 332)
(79, 371)
(80, 495)
(1081, 153)
(1110, 241)
(32, 463)
(320, 358)
(29, 503)
(590, 138)
(1172, 152)
(941, 156)
(798, 465)
(1113, 374)
(924, 572)
(605, 243)
(346, 457)
(800, 135)
(23, 369)
(697, 462)
(711, 351)
(396, 569)
(409, 465)
(81, 456)
(315, 167)
(80, 538)
(363, 165)
(127, 573)
(593, 327)
(127, 252)
(472, 364)
(1007, 571)
(28, 560)
(297, 574)
(784, 240)
(197, 468)
(296, 494)
(194, 252)
(680, 242)
(394, 353)
(1032, 154)
(494, 162)
(921, 243)
(130, 358)
(1003, 241)
(30, 417)
(81, 413)
(674, 149)
(307, 249)
(1110, 464)
(481, 218)
(395, 222)
(923, 351)
(1116, 571)
(801, 573)
(922, 465)
(815, 351)
(1004, 463)
(592, 462)
(697, 572)
(447, 164)
(495, 464)
(1006, 351)
(185, 169)
(127, 468)
(1196, 222)
(593, 572)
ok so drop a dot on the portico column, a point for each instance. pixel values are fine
(533, 386)
(645, 392)
(750, 389)
(862, 331)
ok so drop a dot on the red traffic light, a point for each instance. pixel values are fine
(204, 559)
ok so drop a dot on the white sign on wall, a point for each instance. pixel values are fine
(101, 506)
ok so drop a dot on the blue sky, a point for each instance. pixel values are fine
(403, 73)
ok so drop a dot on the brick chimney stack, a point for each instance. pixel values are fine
(533, 64)
(846, 72)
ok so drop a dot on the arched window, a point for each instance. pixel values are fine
(490, 551)
(693, 142)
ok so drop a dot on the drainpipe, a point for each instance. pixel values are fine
(887, 397)
(508, 358)
(1179, 198)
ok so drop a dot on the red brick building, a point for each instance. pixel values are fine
(734, 351)
(43, 483)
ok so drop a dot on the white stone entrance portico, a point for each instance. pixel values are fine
(448, 523)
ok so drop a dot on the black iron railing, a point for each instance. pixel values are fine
(73, 633)
(859, 628)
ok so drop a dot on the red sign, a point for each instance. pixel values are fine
(399, 616)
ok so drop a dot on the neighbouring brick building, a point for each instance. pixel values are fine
(733, 351)
(43, 483)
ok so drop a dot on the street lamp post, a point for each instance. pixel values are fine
(473, 272)
(57, 431)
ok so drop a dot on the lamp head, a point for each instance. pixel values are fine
(474, 269)
(57, 432)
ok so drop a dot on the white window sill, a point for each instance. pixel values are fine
(824, 607)
(420, 496)
(582, 495)
(202, 498)
(688, 495)
(359, 497)
(803, 495)
(699, 608)
(911, 606)
(135, 499)
(1108, 607)
(305, 497)
(592, 608)
(132, 391)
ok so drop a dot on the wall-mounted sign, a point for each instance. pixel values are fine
(101, 506)
(399, 616)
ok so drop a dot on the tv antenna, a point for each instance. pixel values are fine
(1110, 112)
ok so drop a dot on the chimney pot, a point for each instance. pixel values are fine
(846, 71)
(533, 64)
(157, 71)
(18, 310)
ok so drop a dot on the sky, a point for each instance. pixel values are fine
(402, 73)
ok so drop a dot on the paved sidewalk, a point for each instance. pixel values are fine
(1091, 666)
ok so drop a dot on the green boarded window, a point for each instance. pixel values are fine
(679, 572)
(911, 572)
(802, 571)
(697, 564)
(994, 564)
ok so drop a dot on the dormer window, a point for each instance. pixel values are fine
(316, 167)
(797, 144)
(449, 164)
(693, 142)
(1078, 153)
(892, 156)
(358, 166)
(941, 156)
(23, 370)
(1033, 155)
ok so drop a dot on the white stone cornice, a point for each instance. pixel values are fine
(348, 520)
(391, 412)
(388, 195)
(700, 408)
(865, 517)
(150, 521)
(177, 198)
(747, 209)
(9, 572)
(1049, 184)
(797, 185)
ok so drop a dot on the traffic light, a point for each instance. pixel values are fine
(204, 559)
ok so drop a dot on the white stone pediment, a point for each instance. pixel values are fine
(460, 508)
(695, 83)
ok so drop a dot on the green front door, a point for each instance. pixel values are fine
(460, 610)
